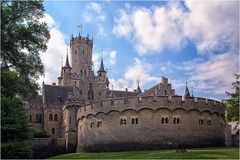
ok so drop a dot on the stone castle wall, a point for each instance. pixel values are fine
(100, 129)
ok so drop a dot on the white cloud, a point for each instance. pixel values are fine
(94, 14)
(139, 70)
(214, 75)
(109, 58)
(210, 25)
(56, 50)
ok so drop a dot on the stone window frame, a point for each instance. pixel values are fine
(91, 124)
(201, 121)
(50, 117)
(134, 120)
(123, 121)
(53, 131)
(165, 120)
(30, 118)
(99, 123)
(55, 117)
(176, 119)
(209, 121)
(38, 118)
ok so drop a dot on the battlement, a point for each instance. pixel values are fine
(151, 102)
(81, 39)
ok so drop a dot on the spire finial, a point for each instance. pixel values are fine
(67, 62)
(138, 82)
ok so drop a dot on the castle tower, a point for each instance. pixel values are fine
(81, 55)
(65, 76)
(102, 75)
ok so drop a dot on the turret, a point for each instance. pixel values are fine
(64, 79)
(138, 90)
(186, 93)
(102, 75)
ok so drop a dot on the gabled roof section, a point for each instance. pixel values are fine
(56, 95)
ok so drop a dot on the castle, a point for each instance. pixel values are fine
(91, 117)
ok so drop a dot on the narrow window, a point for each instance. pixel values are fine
(174, 120)
(162, 120)
(165, 92)
(166, 120)
(132, 120)
(91, 124)
(50, 117)
(85, 72)
(178, 120)
(30, 118)
(70, 119)
(124, 121)
(209, 122)
(55, 117)
(53, 130)
(81, 72)
(136, 120)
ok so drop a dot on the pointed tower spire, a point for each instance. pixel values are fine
(186, 92)
(139, 91)
(101, 69)
(67, 62)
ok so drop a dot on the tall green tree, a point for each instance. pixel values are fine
(232, 104)
(23, 37)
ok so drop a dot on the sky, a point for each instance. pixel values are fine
(186, 41)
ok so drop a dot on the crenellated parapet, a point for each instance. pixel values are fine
(81, 39)
(151, 102)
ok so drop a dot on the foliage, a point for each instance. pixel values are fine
(13, 84)
(40, 134)
(232, 104)
(23, 36)
(203, 153)
(16, 136)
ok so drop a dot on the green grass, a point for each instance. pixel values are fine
(203, 153)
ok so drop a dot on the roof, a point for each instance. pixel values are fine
(101, 69)
(186, 92)
(56, 94)
(118, 94)
(67, 63)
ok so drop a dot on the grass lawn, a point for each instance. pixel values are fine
(203, 153)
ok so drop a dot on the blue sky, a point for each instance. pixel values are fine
(189, 41)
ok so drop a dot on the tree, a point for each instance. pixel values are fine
(23, 38)
(232, 104)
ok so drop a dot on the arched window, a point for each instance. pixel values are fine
(136, 120)
(166, 120)
(162, 120)
(174, 120)
(132, 120)
(53, 130)
(50, 117)
(178, 120)
(55, 117)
